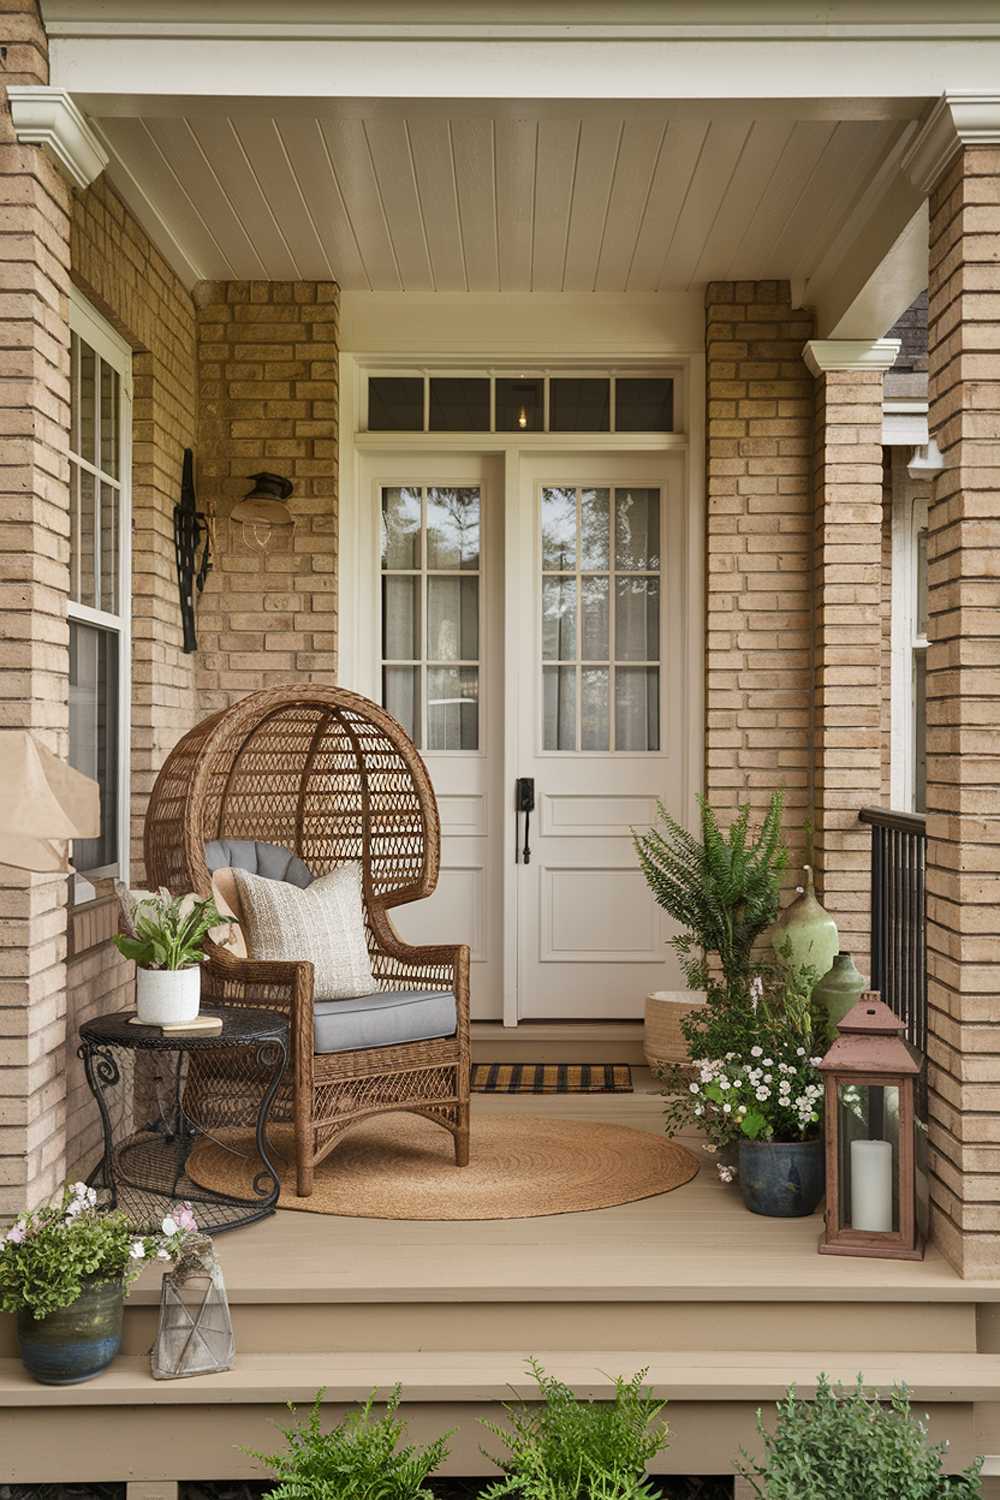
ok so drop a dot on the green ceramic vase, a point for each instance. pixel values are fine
(840, 989)
(809, 931)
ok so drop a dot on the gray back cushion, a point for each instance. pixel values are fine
(269, 860)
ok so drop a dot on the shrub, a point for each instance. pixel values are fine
(361, 1459)
(567, 1449)
(847, 1445)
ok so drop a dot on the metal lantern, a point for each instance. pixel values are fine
(195, 1336)
(870, 1136)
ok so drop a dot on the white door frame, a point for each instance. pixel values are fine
(354, 598)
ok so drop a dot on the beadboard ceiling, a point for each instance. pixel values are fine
(434, 196)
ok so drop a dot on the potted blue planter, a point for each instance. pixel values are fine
(782, 1179)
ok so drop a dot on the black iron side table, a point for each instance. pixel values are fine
(160, 1095)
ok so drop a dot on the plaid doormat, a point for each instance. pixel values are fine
(551, 1078)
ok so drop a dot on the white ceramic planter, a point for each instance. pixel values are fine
(164, 997)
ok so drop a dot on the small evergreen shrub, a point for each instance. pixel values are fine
(847, 1445)
(361, 1459)
(567, 1449)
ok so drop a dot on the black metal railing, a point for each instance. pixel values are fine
(899, 916)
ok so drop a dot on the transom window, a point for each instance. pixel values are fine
(600, 618)
(535, 402)
(431, 612)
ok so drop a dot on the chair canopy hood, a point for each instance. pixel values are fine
(320, 771)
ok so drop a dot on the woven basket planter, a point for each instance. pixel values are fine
(662, 1040)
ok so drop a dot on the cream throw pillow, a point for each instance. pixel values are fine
(323, 924)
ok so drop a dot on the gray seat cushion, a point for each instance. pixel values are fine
(269, 860)
(384, 1019)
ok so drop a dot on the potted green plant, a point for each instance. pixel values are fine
(165, 937)
(848, 1443)
(64, 1272)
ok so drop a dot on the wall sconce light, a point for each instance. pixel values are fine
(926, 461)
(263, 514)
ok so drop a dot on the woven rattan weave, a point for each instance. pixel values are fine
(331, 777)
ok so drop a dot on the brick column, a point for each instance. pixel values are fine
(759, 440)
(34, 641)
(847, 650)
(963, 681)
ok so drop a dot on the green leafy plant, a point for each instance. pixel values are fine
(361, 1459)
(47, 1255)
(847, 1445)
(562, 1448)
(723, 891)
(166, 932)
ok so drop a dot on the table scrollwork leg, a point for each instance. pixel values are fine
(102, 1072)
(271, 1054)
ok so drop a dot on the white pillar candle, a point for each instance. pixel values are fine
(871, 1186)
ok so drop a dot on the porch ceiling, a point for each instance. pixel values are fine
(549, 196)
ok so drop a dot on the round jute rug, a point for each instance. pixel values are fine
(400, 1166)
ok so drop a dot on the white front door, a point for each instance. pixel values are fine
(599, 680)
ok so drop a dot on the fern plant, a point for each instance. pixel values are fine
(361, 1459)
(723, 891)
(850, 1446)
(563, 1448)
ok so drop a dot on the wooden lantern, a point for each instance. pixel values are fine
(869, 1122)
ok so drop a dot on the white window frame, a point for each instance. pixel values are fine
(95, 331)
(910, 501)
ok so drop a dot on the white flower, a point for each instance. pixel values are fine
(815, 1061)
(693, 1087)
(768, 1062)
(709, 1148)
(763, 1094)
(800, 1052)
(742, 1110)
(727, 1109)
(170, 1226)
(699, 1109)
(726, 1174)
(756, 1052)
(137, 1250)
(768, 1077)
(724, 1085)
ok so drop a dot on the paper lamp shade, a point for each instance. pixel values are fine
(43, 804)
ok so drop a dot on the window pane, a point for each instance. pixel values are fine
(85, 539)
(74, 393)
(637, 708)
(396, 403)
(559, 708)
(400, 695)
(579, 405)
(559, 619)
(594, 618)
(559, 529)
(452, 619)
(520, 405)
(110, 600)
(594, 730)
(109, 420)
(594, 540)
(453, 708)
(637, 529)
(88, 395)
(400, 618)
(460, 404)
(920, 731)
(93, 733)
(637, 619)
(452, 528)
(644, 405)
(400, 528)
(922, 581)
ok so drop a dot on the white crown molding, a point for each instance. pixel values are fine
(823, 355)
(45, 116)
(958, 119)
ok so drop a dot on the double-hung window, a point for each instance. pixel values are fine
(909, 639)
(99, 591)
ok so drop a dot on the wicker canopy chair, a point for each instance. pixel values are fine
(331, 777)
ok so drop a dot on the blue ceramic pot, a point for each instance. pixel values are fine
(73, 1343)
(782, 1179)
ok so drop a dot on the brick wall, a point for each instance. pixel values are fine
(34, 579)
(963, 693)
(759, 552)
(267, 370)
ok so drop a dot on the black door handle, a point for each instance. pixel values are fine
(524, 802)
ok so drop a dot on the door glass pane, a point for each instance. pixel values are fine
(559, 619)
(594, 617)
(396, 403)
(559, 529)
(594, 727)
(400, 618)
(401, 528)
(86, 539)
(637, 708)
(644, 405)
(453, 528)
(594, 529)
(93, 733)
(453, 708)
(88, 403)
(109, 549)
(520, 405)
(637, 619)
(637, 529)
(452, 619)
(460, 404)
(579, 405)
(401, 695)
(559, 708)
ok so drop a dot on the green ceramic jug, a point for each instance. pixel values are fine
(808, 929)
(840, 989)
